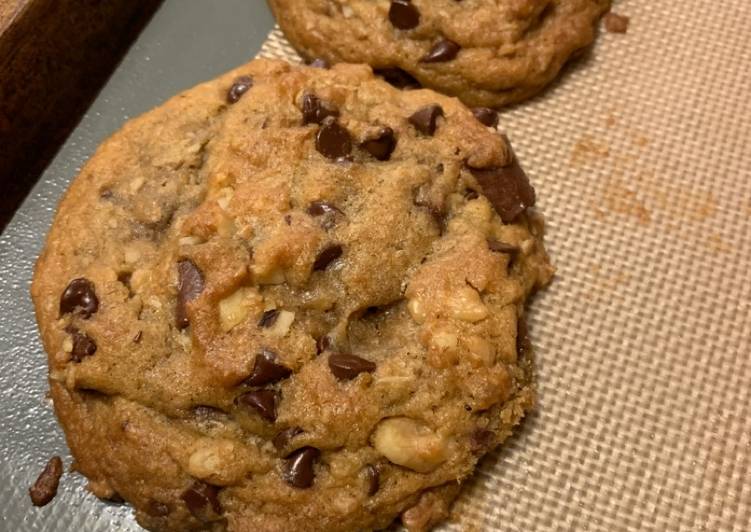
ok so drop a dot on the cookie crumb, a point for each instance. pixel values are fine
(45, 487)
(615, 23)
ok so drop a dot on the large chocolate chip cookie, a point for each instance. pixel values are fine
(291, 299)
(486, 52)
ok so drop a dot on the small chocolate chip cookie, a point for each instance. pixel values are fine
(291, 299)
(487, 52)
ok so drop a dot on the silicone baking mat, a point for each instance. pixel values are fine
(641, 156)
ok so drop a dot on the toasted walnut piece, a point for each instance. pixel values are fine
(282, 324)
(216, 461)
(417, 310)
(442, 345)
(268, 275)
(465, 304)
(234, 308)
(224, 196)
(409, 443)
(480, 352)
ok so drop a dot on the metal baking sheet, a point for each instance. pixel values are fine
(642, 163)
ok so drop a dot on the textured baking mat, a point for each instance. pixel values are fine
(641, 157)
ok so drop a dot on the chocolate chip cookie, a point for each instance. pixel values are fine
(487, 52)
(291, 299)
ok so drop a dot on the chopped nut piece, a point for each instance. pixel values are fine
(465, 304)
(282, 324)
(409, 443)
(234, 308)
(481, 352)
(216, 461)
(416, 310)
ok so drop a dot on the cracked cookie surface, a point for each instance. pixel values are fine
(486, 52)
(291, 299)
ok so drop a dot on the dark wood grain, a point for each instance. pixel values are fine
(54, 57)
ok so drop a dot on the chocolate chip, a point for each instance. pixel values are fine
(502, 247)
(398, 78)
(443, 50)
(314, 110)
(332, 140)
(425, 119)
(238, 88)
(157, 509)
(263, 401)
(486, 116)
(137, 337)
(326, 256)
(347, 367)
(202, 501)
(320, 63)
(507, 188)
(380, 145)
(83, 345)
(471, 194)
(320, 208)
(403, 14)
(189, 286)
(322, 344)
(79, 297)
(282, 439)
(266, 369)
(268, 318)
(481, 440)
(297, 470)
(373, 479)
(523, 343)
(45, 487)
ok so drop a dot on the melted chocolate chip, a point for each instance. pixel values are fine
(373, 479)
(486, 116)
(266, 369)
(322, 344)
(268, 318)
(502, 247)
(381, 145)
(238, 88)
(282, 439)
(347, 367)
(263, 401)
(320, 63)
(320, 208)
(403, 14)
(398, 78)
(481, 440)
(189, 286)
(83, 345)
(523, 343)
(298, 469)
(507, 188)
(202, 501)
(332, 140)
(443, 50)
(157, 509)
(79, 297)
(45, 487)
(424, 120)
(326, 256)
(314, 110)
